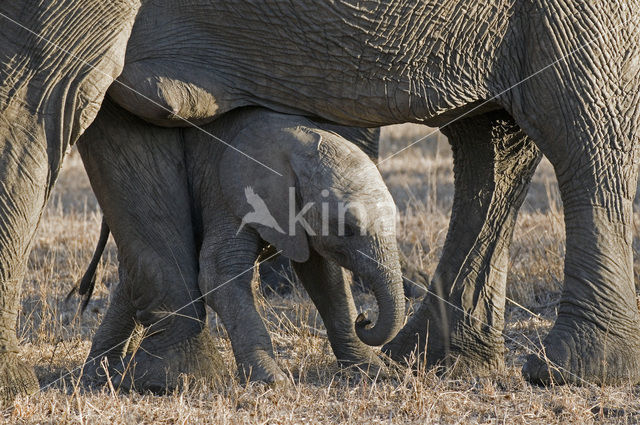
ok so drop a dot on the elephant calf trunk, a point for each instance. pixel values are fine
(390, 297)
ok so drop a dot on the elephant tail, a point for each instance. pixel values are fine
(88, 281)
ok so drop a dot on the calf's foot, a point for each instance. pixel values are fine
(460, 342)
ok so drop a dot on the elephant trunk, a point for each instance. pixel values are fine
(385, 279)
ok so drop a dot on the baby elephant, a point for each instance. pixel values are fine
(315, 197)
(286, 184)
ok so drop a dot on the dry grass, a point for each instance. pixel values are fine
(56, 340)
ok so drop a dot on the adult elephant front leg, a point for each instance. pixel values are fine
(463, 313)
(588, 128)
(596, 336)
(138, 174)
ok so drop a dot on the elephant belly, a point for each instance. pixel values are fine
(179, 96)
(299, 58)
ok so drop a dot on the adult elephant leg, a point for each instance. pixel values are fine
(330, 290)
(586, 122)
(596, 336)
(24, 173)
(463, 314)
(138, 174)
(52, 80)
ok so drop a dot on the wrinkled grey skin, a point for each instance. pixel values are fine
(311, 157)
(157, 253)
(321, 168)
(429, 62)
(491, 177)
(357, 63)
(47, 98)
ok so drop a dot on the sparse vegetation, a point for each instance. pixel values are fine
(55, 338)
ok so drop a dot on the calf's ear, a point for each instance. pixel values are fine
(262, 194)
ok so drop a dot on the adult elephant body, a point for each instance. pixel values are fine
(506, 67)
(406, 61)
(565, 72)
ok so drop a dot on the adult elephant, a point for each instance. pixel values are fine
(563, 71)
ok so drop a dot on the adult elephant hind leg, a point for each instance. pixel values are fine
(330, 290)
(463, 314)
(138, 174)
(111, 339)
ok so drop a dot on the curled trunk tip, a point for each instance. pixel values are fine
(390, 297)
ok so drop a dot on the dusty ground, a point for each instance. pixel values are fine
(55, 338)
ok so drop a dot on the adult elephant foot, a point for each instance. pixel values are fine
(453, 340)
(16, 378)
(460, 321)
(579, 352)
(159, 368)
